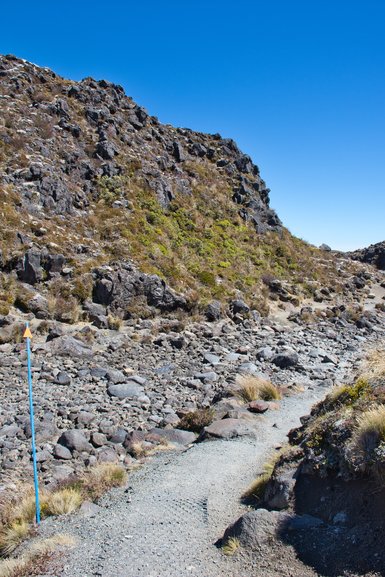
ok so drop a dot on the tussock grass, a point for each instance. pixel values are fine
(254, 388)
(370, 431)
(114, 323)
(63, 502)
(141, 450)
(12, 536)
(34, 560)
(231, 546)
(256, 490)
(98, 480)
(44, 546)
(17, 506)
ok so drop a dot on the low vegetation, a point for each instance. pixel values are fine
(370, 432)
(254, 388)
(256, 490)
(195, 421)
(17, 506)
(37, 557)
(231, 546)
(346, 431)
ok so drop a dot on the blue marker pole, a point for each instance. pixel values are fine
(27, 336)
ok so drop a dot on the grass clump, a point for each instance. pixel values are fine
(370, 431)
(195, 421)
(374, 365)
(256, 490)
(254, 388)
(114, 323)
(97, 481)
(12, 536)
(231, 546)
(63, 502)
(35, 560)
(17, 507)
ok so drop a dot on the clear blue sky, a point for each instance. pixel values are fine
(299, 84)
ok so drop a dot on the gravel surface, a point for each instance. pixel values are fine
(177, 506)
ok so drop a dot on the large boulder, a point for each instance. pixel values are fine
(69, 346)
(74, 440)
(256, 529)
(228, 429)
(130, 390)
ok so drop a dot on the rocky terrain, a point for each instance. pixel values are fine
(320, 509)
(108, 387)
(154, 275)
(373, 254)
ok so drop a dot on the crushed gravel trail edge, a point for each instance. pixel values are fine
(166, 523)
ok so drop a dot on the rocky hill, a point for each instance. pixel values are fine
(102, 206)
(158, 284)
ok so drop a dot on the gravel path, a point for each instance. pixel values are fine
(177, 506)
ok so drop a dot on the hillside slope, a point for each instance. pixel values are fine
(88, 178)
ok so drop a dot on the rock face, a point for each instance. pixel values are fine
(118, 288)
(373, 254)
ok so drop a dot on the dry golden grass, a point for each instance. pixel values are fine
(141, 450)
(257, 488)
(370, 430)
(63, 502)
(44, 546)
(12, 535)
(114, 323)
(35, 558)
(231, 546)
(374, 365)
(254, 388)
(96, 481)
(17, 506)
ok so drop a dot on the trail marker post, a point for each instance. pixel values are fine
(27, 335)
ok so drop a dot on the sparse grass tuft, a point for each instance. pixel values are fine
(231, 546)
(114, 323)
(257, 488)
(252, 388)
(370, 431)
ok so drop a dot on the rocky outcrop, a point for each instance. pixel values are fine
(120, 287)
(373, 254)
